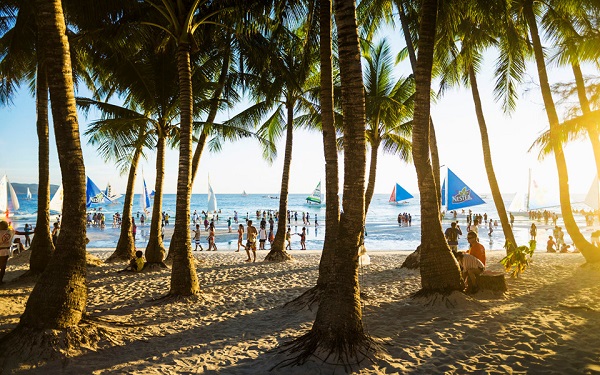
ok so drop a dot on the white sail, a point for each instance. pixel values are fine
(56, 203)
(593, 195)
(7, 190)
(29, 194)
(144, 198)
(212, 199)
(315, 197)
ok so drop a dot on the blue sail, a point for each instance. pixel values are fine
(459, 194)
(400, 194)
(93, 194)
(145, 198)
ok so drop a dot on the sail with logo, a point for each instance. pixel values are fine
(93, 195)
(456, 194)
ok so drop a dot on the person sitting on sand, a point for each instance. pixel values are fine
(471, 267)
(6, 236)
(251, 241)
(550, 245)
(197, 237)
(20, 248)
(475, 248)
(137, 263)
(564, 248)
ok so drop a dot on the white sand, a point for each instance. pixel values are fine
(547, 323)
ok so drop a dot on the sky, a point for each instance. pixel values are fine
(239, 166)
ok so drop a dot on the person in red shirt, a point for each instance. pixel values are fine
(475, 248)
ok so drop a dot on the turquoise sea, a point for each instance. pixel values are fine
(383, 231)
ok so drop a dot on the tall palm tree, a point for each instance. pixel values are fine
(338, 328)
(21, 61)
(439, 269)
(389, 110)
(58, 299)
(589, 251)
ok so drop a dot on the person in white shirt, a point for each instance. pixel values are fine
(471, 267)
(6, 237)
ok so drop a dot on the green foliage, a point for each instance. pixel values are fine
(517, 259)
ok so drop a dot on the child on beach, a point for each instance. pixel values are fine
(197, 238)
(240, 237)
(302, 239)
(251, 241)
(262, 237)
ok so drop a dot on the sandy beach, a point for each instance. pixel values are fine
(546, 323)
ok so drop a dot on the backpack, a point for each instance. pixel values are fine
(452, 235)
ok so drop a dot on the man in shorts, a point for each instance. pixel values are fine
(197, 237)
(251, 234)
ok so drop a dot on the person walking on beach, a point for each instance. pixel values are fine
(475, 248)
(262, 237)
(302, 239)
(251, 241)
(240, 237)
(211, 237)
(533, 231)
(6, 237)
(452, 235)
(27, 231)
(288, 239)
(197, 238)
(271, 238)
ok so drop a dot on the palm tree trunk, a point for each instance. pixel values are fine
(58, 299)
(489, 166)
(277, 252)
(41, 245)
(155, 250)
(433, 149)
(125, 249)
(439, 269)
(372, 175)
(338, 324)
(184, 280)
(585, 108)
(332, 185)
(589, 251)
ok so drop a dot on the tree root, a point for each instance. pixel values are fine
(28, 348)
(348, 352)
(153, 267)
(306, 299)
(116, 259)
(445, 298)
(173, 298)
(278, 256)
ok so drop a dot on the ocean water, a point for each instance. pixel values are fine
(382, 229)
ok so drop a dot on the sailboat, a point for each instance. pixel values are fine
(110, 194)
(592, 198)
(315, 197)
(456, 194)
(244, 194)
(212, 198)
(29, 197)
(145, 197)
(93, 194)
(399, 195)
(536, 196)
(56, 203)
(7, 190)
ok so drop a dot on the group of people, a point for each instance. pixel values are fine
(472, 261)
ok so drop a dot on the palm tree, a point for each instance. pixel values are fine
(589, 251)
(439, 269)
(58, 299)
(338, 329)
(389, 110)
(21, 60)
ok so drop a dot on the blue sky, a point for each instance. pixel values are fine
(239, 166)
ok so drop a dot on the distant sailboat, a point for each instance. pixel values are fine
(244, 194)
(399, 195)
(110, 194)
(534, 197)
(212, 199)
(56, 203)
(7, 190)
(145, 198)
(593, 196)
(456, 194)
(315, 197)
(29, 197)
